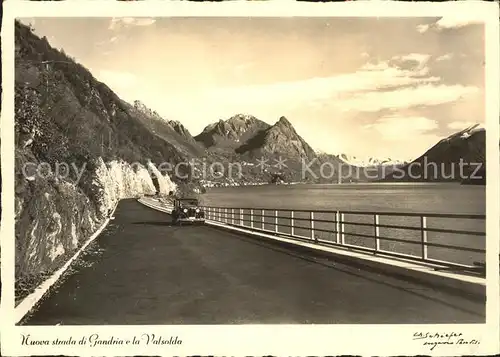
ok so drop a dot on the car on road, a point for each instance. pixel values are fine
(187, 210)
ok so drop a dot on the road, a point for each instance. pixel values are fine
(149, 272)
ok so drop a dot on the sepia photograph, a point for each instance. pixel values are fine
(250, 170)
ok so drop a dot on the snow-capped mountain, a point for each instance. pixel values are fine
(448, 155)
(466, 133)
(369, 161)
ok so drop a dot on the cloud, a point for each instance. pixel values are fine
(117, 79)
(457, 21)
(107, 42)
(419, 58)
(384, 85)
(121, 22)
(425, 94)
(379, 66)
(445, 57)
(412, 135)
(402, 128)
(460, 125)
(452, 22)
(423, 28)
(370, 77)
(413, 64)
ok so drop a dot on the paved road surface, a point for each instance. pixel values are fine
(150, 272)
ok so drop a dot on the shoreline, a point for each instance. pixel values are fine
(351, 184)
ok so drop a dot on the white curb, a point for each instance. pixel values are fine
(31, 300)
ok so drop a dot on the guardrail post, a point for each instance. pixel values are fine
(251, 218)
(342, 228)
(311, 218)
(423, 231)
(377, 232)
(337, 227)
(292, 224)
(276, 221)
(262, 218)
(241, 216)
(232, 215)
(225, 215)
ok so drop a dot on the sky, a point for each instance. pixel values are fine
(367, 87)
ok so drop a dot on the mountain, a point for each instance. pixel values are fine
(280, 139)
(364, 171)
(95, 150)
(461, 157)
(244, 140)
(230, 133)
(169, 130)
(370, 161)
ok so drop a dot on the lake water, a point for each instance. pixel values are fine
(385, 197)
(418, 198)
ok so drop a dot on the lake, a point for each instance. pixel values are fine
(417, 198)
(379, 197)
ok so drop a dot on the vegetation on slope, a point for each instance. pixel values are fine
(65, 119)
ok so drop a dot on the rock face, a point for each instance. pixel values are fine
(245, 139)
(461, 157)
(170, 130)
(280, 139)
(231, 133)
(79, 149)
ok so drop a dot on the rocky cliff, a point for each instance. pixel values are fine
(281, 139)
(245, 139)
(169, 130)
(79, 149)
(231, 133)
